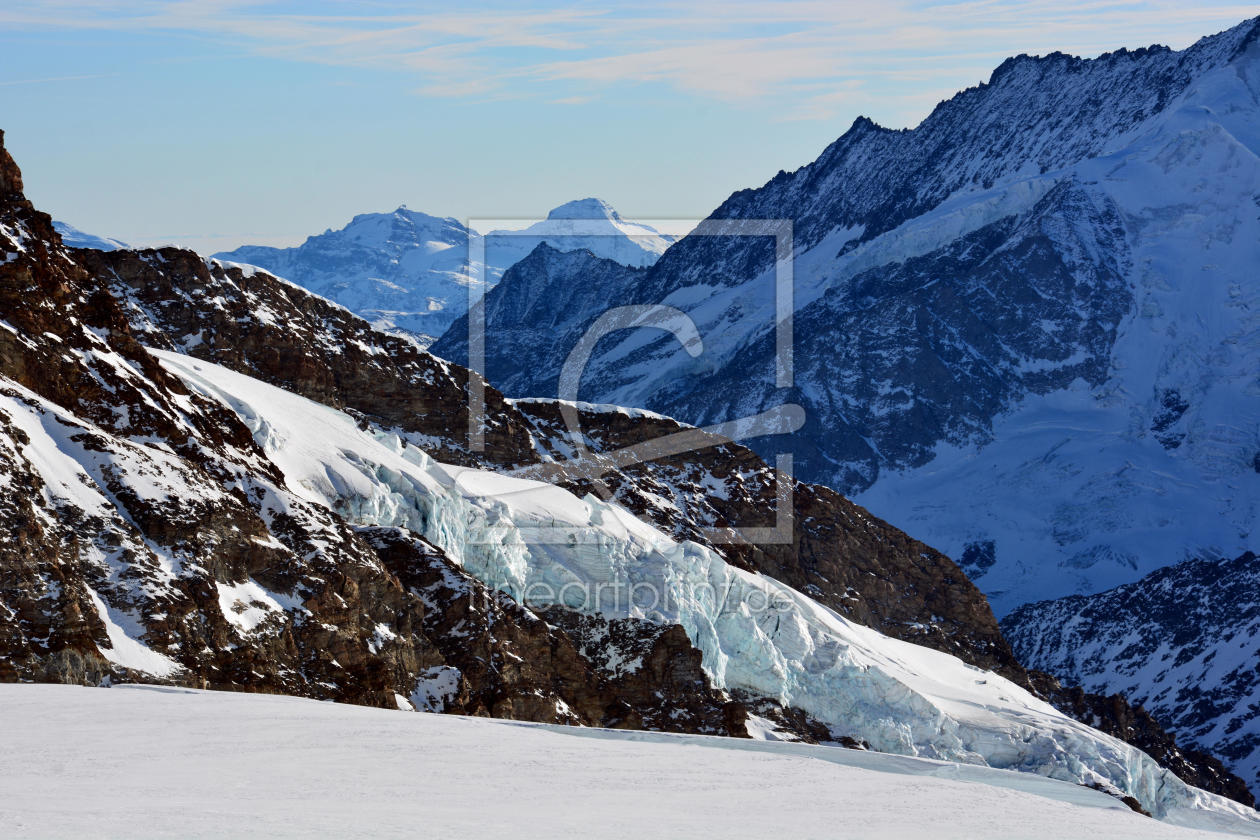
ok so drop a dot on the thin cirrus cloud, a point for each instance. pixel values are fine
(816, 58)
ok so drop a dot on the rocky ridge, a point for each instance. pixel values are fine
(154, 540)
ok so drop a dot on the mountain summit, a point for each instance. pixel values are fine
(585, 208)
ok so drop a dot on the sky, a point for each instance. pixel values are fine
(217, 123)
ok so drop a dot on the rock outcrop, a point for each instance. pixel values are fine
(1184, 642)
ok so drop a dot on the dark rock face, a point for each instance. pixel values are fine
(529, 317)
(1117, 717)
(932, 349)
(10, 178)
(977, 558)
(649, 668)
(1172, 407)
(1183, 642)
(888, 363)
(557, 665)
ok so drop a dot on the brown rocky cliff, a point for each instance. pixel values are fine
(553, 664)
(280, 334)
(183, 564)
(10, 177)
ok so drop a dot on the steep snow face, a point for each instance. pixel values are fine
(185, 754)
(1183, 641)
(541, 544)
(1088, 487)
(409, 272)
(72, 237)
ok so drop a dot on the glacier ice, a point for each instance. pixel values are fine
(536, 541)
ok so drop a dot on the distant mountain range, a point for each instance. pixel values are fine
(75, 238)
(408, 272)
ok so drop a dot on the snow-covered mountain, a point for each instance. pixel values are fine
(75, 238)
(409, 272)
(296, 768)
(1184, 641)
(587, 224)
(182, 520)
(1025, 330)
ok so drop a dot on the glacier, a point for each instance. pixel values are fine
(538, 542)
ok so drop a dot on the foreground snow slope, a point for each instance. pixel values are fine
(541, 544)
(141, 761)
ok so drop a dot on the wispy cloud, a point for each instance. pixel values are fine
(815, 57)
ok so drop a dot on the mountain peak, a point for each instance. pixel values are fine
(10, 175)
(585, 208)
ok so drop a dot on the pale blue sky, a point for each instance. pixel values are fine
(214, 123)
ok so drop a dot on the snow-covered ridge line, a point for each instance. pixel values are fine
(537, 541)
(72, 237)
